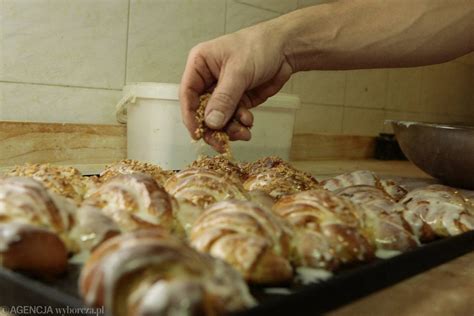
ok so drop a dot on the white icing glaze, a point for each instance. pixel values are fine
(178, 298)
(9, 233)
(307, 275)
(439, 207)
(387, 254)
(278, 291)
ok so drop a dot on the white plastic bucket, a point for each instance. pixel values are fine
(156, 134)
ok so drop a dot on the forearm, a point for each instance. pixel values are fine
(355, 34)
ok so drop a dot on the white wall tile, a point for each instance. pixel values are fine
(79, 43)
(307, 3)
(241, 15)
(313, 118)
(366, 122)
(446, 88)
(42, 103)
(323, 87)
(366, 88)
(404, 87)
(280, 6)
(162, 33)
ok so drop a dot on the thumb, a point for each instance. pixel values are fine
(225, 98)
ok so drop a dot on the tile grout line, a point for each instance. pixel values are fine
(127, 34)
(225, 17)
(386, 97)
(57, 85)
(344, 102)
(257, 7)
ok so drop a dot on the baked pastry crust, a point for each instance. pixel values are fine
(65, 181)
(251, 239)
(149, 272)
(382, 218)
(204, 187)
(364, 177)
(23, 247)
(438, 211)
(328, 229)
(32, 223)
(26, 200)
(219, 164)
(135, 201)
(277, 178)
(129, 166)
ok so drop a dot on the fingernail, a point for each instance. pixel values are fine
(215, 119)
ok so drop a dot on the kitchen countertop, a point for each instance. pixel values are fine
(444, 290)
(385, 168)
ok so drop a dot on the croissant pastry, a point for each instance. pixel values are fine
(328, 232)
(32, 224)
(438, 211)
(23, 247)
(148, 272)
(364, 177)
(382, 218)
(27, 201)
(92, 228)
(135, 201)
(219, 164)
(203, 187)
(262, 165)
(251, 239)
(128, 166)
(280, 180)
(65, 181)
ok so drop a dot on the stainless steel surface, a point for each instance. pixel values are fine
(444, 151)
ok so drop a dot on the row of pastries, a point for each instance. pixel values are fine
(158, 242)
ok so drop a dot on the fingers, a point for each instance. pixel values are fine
(197, 78)
(209, 137)
(224, 99)
(244, 116)
(237, 131)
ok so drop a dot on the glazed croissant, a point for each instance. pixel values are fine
(328, 232)
(262, 164)
(382, 218)
(253, 240)
(32, 249)
(65, 181)
(277, 178)
(220, 164)
(92, 228)
(364, 177)
(135, 201)
(148, 272)
(33, 223)
(438, 211)
(128, 166)
(203, 187)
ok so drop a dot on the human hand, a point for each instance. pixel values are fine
(242, 70)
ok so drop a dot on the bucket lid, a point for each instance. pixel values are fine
(152, 90)
(170, 91)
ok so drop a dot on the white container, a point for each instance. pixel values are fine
(156, 134)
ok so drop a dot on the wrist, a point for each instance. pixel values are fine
(306, 36)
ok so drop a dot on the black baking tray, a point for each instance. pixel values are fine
(344, 287)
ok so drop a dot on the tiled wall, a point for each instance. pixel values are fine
(66, 61)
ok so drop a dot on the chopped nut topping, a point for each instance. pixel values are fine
(220, 135)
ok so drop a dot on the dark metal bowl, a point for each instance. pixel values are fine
(444, 151)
